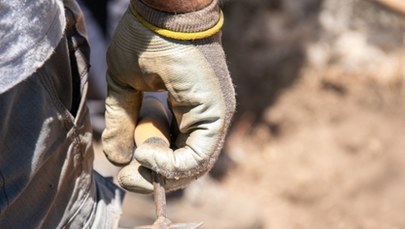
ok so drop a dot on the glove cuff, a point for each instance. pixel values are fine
(184, 26)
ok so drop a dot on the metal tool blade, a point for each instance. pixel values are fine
(162, 222)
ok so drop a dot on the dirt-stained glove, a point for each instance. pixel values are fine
(137, 178)
(181, 53)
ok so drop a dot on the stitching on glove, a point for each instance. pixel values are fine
(180, 35)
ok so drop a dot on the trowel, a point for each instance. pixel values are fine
(153, 123)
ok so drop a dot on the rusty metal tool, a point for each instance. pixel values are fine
(152, 124)
(162, 222)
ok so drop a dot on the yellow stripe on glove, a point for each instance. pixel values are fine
(186, 36)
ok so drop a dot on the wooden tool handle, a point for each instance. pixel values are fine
(153, 122)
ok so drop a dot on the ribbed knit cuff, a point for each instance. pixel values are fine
(196, 21)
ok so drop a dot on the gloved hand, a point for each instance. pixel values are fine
(187, 60)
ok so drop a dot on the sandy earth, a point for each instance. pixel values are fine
(319, 136)
(335, 160)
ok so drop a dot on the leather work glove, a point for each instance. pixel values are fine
(180, 53)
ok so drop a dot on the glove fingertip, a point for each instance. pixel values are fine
(117, 155)
(135, 178)
(148, 153)
(118, 160)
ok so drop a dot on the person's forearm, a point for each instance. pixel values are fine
(177, 6)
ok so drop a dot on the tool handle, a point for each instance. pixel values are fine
(153, 123)
(395, 5)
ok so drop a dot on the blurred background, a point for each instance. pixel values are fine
(318, 139)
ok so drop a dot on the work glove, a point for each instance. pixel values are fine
(182, 54)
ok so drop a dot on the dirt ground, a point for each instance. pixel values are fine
(319, 136)
(328, 156)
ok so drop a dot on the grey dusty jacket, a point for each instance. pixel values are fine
(29, 32)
